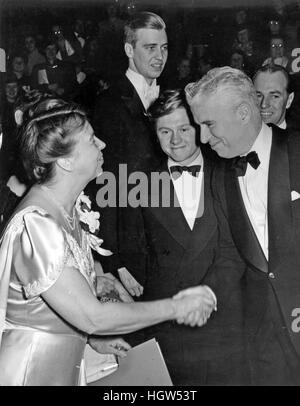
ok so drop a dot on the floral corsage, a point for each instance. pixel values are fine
(90, 223)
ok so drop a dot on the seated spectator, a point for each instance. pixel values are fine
(243, 43)
(69, 46)
(277, 53)
(55, 76)
(78, 31)
(17, 67)
(238, 60)
(34, 57)
(9, 102)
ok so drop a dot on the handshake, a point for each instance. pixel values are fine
(193, 306)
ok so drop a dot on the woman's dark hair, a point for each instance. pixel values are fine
(47, 133)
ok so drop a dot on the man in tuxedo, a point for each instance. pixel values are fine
(173, 240)
(275, 94)
(259, 192)
(120, 119)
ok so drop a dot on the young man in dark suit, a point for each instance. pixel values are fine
(259, 192)
(120, 119)
(173, 239)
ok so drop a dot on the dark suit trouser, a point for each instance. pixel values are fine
(221, 371)
(273, 360)
(196, 364)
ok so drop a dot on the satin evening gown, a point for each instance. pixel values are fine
(38, 346)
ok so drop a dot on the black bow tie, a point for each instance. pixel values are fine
(176, 170)
(239, 164)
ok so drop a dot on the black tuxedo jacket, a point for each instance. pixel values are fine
(120, 120)
(276, 282)
(165, 256)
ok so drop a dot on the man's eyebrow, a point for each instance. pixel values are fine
(275, 92)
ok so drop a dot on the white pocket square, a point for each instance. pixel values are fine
(294, 195)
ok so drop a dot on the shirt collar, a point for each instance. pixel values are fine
(141, 86)
(282, 125)
(262, 144)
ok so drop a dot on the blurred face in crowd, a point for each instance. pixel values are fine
(277, 48)
(177, 136)
(11, 91)
(50, 52)
(240, 17)
(243, 36)
(237, 61)
(79, 26)
(184, 68)
(274, 27)
(222, 125)
(18, 64)
(271, 90)
(30, 44)
(149, 54)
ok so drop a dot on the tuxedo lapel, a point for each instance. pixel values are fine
(205, 223)
(172, 217)
(169, 212)
(131, 98)
(241, 227)
(279, 202)
(133, 102)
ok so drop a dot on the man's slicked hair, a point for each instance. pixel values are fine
(144, 19)
(272, 68)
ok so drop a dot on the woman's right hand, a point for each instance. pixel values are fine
(194, 306)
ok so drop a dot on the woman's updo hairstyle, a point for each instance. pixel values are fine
(47, 133)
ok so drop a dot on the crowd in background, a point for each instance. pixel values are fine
(76, 56)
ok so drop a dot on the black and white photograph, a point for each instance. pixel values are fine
(149, 195)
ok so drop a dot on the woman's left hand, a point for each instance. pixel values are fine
(116, 346)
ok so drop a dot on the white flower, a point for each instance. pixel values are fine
(87, 216)
(82, 198)
(91, 219)
(95, 244)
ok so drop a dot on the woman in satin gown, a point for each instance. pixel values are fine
(48, 304)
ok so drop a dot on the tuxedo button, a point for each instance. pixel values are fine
(271, 275)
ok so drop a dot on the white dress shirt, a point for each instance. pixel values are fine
(282, 125)
(146, 93)
(188, 189)
(254, 188)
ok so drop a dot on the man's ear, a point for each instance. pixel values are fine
(244, 112)
(66, 163)
(128, 50)
(290, 100)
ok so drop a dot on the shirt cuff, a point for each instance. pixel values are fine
(214, 297)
